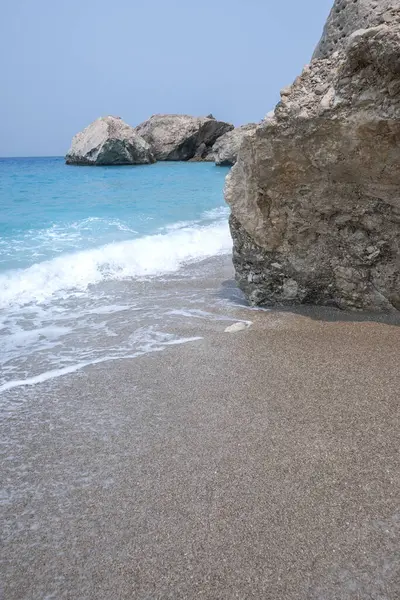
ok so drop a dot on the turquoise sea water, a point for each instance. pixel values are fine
(76, 245)
(48, 209)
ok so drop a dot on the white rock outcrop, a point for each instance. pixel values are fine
(109, 141)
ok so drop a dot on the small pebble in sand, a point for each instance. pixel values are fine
(237, 327)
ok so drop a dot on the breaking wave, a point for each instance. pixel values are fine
(146, 256)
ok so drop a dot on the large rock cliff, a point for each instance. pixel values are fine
(315, 194)
(109, 141)
(182, 137)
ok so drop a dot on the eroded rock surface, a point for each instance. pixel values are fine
(109, 141)
(226, 149)
(182, 137)
(347, 16)
(315, 194)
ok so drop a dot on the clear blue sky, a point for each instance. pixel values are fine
(63, 64)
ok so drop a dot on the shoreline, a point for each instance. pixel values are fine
(222, 300)
(259, 464)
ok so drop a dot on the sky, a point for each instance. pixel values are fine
(63, 64)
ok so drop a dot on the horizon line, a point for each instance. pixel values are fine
(35, 156)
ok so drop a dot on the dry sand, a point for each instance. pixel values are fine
(260, 464)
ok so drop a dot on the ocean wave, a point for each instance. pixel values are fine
(37, 245)
(220, 212)
(150, 255)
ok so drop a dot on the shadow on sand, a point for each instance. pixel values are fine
(230, 291)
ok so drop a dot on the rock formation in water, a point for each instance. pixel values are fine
(182, 137)
(109, 141)
(315, 194)
(226, 148)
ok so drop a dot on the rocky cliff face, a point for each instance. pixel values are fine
(347, 16)
(182, 137)
(109, 141)
(315, 194)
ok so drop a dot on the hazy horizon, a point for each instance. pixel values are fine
(69, 64)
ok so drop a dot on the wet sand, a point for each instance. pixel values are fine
(261, 464)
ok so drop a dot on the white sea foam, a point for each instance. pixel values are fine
(24, 338)
(220, 212)
(9, 385)
(142, 257)
(55, 320)
(179, 225)
(162, 341)
(58, 239)
(202, 314)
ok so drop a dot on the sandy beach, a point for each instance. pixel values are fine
(163, 435)
(260, 464)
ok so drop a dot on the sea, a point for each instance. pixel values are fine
(95, 261)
